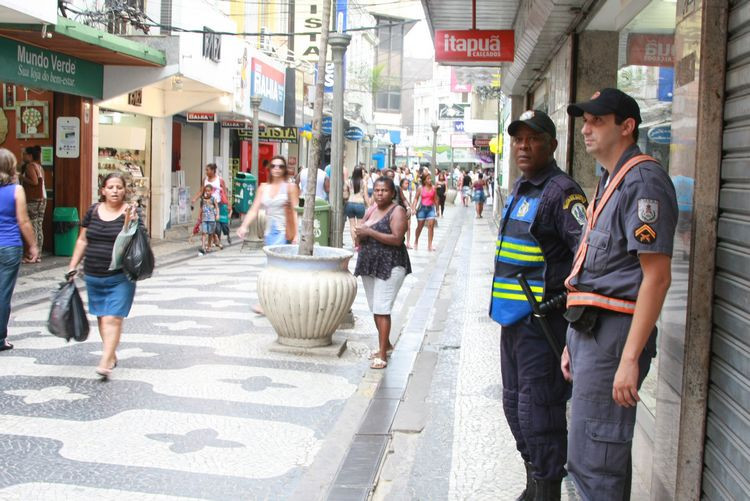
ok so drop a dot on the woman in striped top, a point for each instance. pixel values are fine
(110, 293)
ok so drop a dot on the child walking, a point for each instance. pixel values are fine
(209, 213)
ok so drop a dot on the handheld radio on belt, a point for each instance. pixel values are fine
(540, 311)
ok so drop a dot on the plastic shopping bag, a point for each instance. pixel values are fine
(138, 260)
(67, 317)
(121, 243)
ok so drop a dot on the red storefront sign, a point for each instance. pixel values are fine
(474, 46)
(201, 117)
(645, 49)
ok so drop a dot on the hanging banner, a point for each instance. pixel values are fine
(474, 46)
(269, 83)
(650, 50)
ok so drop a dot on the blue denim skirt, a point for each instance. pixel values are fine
(110, 296)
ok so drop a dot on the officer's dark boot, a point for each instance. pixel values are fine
(547, 490)
(528, 492)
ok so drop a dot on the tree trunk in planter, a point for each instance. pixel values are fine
(306, 297)
(306, 237)
(450, 196)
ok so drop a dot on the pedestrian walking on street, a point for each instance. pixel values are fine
(110, 293)
(620, 278)
(383, 261)
(442, 186)
(278, 198)
(209, 214)
(426, 197)
(15, 228)
(466, 182)
(405, 196)
(539, 231)
(479, 195)
(358, 199)
(32, 180)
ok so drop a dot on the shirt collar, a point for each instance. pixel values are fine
(540, 177)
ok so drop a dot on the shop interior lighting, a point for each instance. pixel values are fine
(177, 83)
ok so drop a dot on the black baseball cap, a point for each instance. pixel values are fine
(608, 101)
(535, 119)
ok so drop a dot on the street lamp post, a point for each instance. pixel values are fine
(370, 137)
(338, 42)
(435, 128)
(255, 232)
(255, 105)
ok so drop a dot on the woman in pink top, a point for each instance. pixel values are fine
(426, 197)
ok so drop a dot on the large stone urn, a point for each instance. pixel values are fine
(306, 297)
(450, 196)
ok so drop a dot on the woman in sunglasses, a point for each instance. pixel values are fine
(278, 198)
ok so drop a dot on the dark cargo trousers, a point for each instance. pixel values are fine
(534, 395)
(601, 432)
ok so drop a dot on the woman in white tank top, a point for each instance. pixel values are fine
(276, 197)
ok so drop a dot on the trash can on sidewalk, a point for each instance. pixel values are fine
(65, 223)
(322, 218)
(244, 187)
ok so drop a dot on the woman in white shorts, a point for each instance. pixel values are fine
(383, 261)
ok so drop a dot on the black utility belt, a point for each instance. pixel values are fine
(583, 318)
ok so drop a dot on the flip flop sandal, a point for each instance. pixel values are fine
(376, 353)
(378, 363)
(6, 346)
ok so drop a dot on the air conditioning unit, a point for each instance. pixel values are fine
(265, 41)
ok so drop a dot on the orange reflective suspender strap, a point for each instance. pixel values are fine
(576, 298)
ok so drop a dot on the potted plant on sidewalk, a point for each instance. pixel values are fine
(306, 290)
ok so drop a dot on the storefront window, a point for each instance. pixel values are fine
(125, 146)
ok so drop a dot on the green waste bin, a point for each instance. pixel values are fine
(245, 185)
(65, 223)
(322, 218)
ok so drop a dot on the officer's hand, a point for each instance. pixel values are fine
(625, 386)
(565, 365)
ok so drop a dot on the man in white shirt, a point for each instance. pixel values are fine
(323, 185)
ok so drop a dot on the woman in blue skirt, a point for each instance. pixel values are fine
(110, 293)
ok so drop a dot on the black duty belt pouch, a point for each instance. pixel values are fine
(582, 318)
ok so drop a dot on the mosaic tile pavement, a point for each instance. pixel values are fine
(198, 406)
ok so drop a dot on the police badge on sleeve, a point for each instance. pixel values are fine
(648, 210)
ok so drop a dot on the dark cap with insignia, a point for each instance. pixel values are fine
(608, 101)
(535, 119)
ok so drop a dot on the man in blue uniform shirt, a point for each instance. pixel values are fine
(617, 286)
(540, 229)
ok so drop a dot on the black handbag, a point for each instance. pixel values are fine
(138, 260)
(67, 317)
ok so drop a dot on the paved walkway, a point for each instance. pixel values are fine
(198, 407)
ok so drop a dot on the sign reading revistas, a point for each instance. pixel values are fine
(474, 46)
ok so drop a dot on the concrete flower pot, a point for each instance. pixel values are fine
(450, 196)
(306, 297)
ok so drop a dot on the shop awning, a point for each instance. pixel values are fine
(85, 42)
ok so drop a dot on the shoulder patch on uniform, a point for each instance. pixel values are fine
(648, 210)
(645, 234)
(574, 198)
(578, 211)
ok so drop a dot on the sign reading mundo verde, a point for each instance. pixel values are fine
(35, 67)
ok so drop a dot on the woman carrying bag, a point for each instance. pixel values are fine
(110, 293)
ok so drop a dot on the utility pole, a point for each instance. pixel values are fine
(339, 42)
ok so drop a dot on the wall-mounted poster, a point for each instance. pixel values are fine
(9, 96)
(68, 137)
(32, 119)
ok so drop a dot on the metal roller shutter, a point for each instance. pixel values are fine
(727, 450)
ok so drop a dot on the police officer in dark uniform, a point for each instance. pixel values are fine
(540, 229)
(620, 277)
